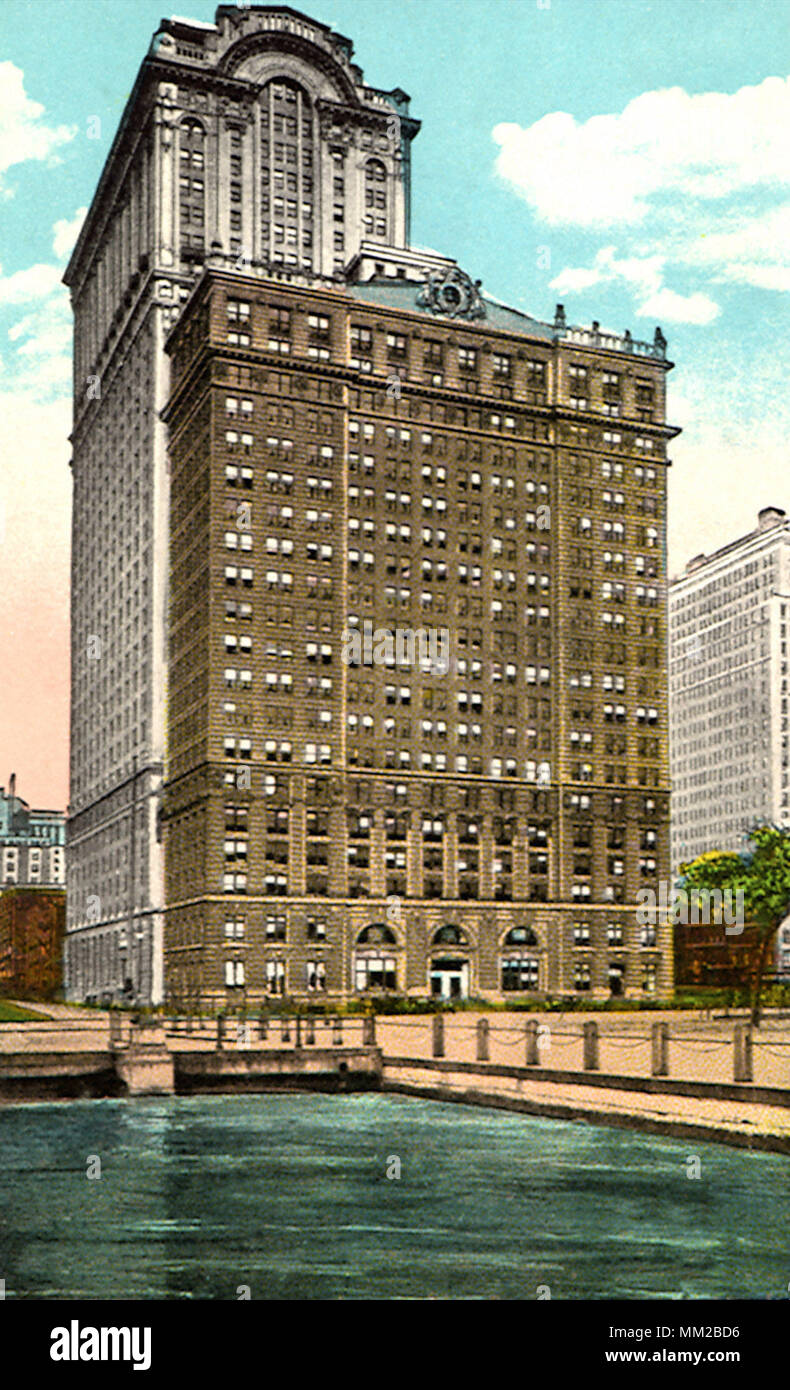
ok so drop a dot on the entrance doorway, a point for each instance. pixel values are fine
(450, 979)
(616, 980)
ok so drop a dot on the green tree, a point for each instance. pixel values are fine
(762, 874)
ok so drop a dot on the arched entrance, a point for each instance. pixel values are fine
(449, 973)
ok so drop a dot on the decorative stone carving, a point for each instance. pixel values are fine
(337, 125)
(452, 294)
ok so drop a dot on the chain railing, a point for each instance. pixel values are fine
(686, 1049)
(734, 1055)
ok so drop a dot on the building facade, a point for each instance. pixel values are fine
(728, 631)
(472, 812)
(32, 843)
(386, 570)
(32, 923)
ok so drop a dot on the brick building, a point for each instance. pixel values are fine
(352, 459)
(706, 958)
(342, 438)
(32, 923)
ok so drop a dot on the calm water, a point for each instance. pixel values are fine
(290, 1195)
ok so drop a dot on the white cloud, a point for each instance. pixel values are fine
(705, 177)
(748, 249)
(575, 280)
(36, 282)
(65, 233)
(607, 170)
(41, 339)
(670, 307)
(38, 367)
(642, 272)
(47, 340)
(24, 134)
(644, 277)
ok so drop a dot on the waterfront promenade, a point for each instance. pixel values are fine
(681, 1073)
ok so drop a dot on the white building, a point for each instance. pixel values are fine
(728, 691)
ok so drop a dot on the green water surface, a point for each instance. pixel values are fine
(290, 1196)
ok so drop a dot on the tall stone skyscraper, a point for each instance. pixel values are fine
(256, 137)
(369, 686)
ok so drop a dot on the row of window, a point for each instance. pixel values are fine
(377, 973)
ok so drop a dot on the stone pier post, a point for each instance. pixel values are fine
(742, 1068)
(659, 1049)
(591, 1054)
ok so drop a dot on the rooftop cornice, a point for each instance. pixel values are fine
(166, 69)
(253, 355)
(231, 14)
(607, 346)
(360, 114)
(710, 566)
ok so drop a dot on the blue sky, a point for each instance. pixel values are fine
(628, 157)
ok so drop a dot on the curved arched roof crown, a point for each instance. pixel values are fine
(261, 56)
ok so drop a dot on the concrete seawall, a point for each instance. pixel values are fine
(58, 1076)
(319, 1069)
(154, 1070)
(697, 1112)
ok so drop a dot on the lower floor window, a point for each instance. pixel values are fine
(275, 977)
(616, 977)
(234, 973)
(581, 977)
(316, 975)
(519, 973)
(375, 972)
